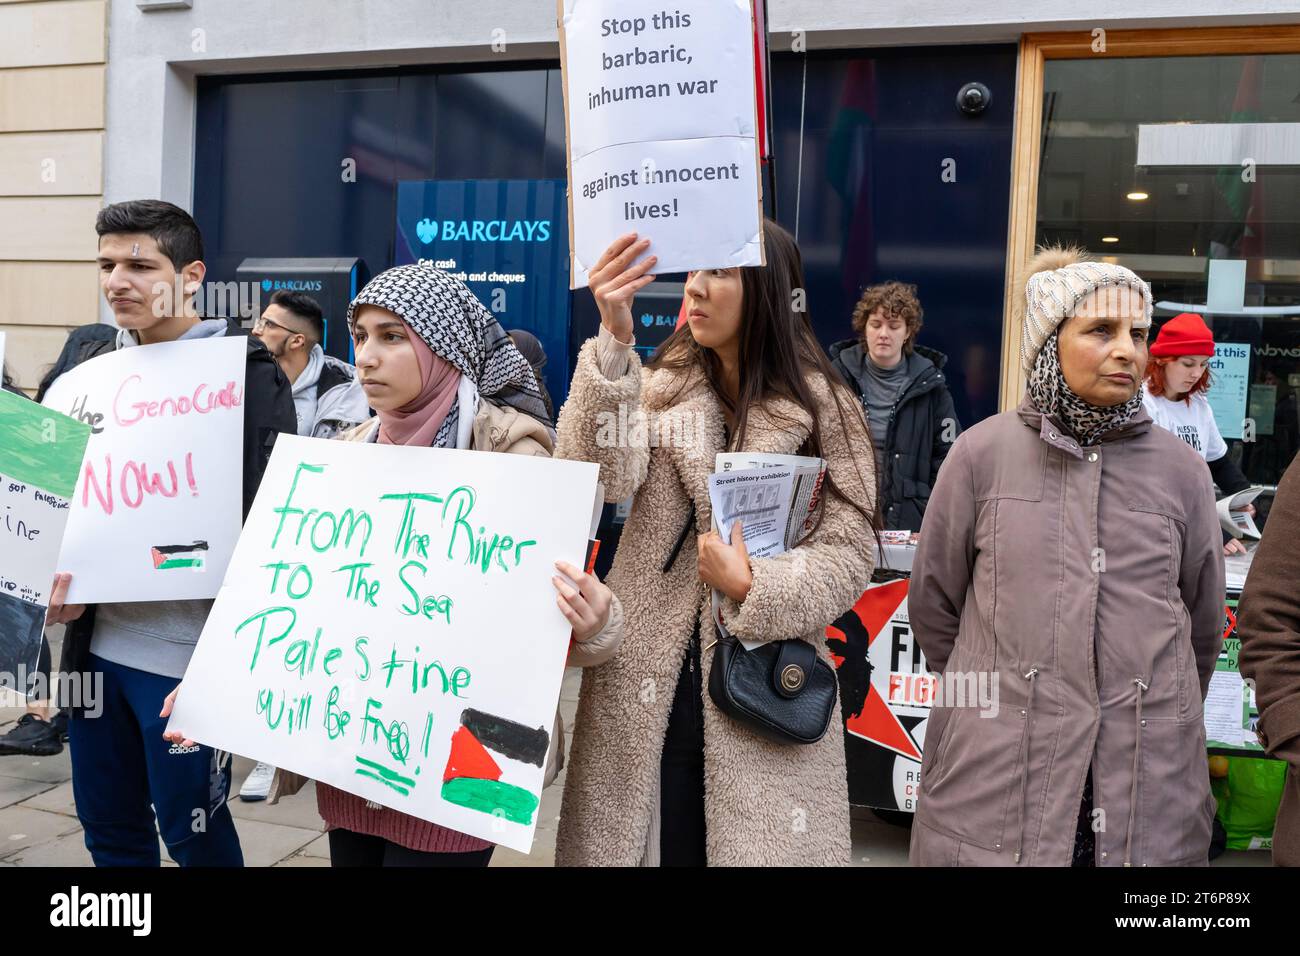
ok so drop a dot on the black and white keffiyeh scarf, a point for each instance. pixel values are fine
(442, 311)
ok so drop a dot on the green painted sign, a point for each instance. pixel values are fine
(39, 446)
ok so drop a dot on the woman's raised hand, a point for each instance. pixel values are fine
(614, 281)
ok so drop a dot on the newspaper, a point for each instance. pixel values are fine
(759, 498)
(1233, 517)
(773, 496)
(801, 505)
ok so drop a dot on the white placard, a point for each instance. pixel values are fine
(40, 457)
(661, 120)
(363, 568)
(156, 511)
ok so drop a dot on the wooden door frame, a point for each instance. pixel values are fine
(1035, 50)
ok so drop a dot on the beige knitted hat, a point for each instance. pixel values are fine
(1059, 279)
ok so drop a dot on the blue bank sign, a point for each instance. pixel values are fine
(478, 230)
(508, 241)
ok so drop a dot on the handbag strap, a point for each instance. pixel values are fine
(681, 539)
(690, 516)
(794, 666)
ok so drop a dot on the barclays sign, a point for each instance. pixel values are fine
(292, 285)
(507, 240)
(480, 230)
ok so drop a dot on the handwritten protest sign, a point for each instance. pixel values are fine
(661, 123)
(388, 626)
(40, 455)
(156, 511)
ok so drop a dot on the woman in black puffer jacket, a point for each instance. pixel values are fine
(905, 396)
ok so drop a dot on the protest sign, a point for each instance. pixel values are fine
(40, 456)
(661, 127)
(886, 694)
(388, 626)
(156, 510)
(1229, 379)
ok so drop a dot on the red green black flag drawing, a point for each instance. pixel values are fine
(472, 778)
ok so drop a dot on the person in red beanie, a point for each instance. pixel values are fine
(1178, 377)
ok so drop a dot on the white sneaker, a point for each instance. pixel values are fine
(258, 783)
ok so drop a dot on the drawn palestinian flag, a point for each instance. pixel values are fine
(473, 775)
(168, 557)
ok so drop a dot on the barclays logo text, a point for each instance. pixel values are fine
(292, 285)
(479, 230)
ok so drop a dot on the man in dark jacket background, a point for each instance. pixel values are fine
(905, 396)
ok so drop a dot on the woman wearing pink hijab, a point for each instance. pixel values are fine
(439, 371)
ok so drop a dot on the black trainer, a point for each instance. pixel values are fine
(31, 737)
(60, 723)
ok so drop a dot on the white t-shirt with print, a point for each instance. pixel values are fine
(1192, 422)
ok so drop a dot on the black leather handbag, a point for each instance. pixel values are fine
(781, 689)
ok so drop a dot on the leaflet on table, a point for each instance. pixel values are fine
(1233, 517)
(896, 550)
(1236, 567)
(802, 504)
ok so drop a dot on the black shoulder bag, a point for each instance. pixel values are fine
(780, 690)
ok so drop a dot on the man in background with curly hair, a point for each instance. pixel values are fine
(905, 396)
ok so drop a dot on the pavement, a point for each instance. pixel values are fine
(38, 820)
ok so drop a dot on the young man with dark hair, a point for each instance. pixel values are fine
(123, 772)
(327, 397)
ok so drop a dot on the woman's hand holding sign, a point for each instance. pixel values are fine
(58, 611)
(615, 282)
(175, 736)
(585, 606)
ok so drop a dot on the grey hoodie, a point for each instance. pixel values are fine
(325, 411)
(153, 636)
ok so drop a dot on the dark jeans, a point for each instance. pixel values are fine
(349, 848)
(124, 776)
(681, 830)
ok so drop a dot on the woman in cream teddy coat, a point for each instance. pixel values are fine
(764, 803)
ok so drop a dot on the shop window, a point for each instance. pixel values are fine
(1186, 169)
